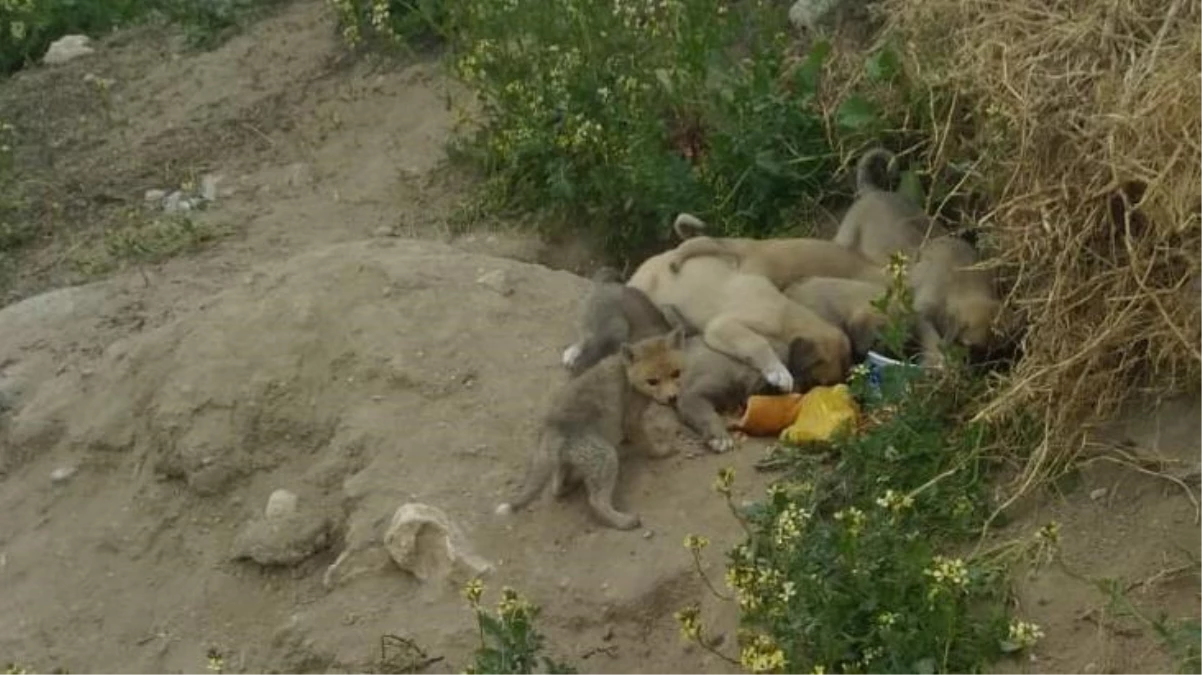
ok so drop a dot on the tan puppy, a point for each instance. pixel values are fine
(848, 304)
(738, 314)
(782, 261)
(881, 222)
(957, 298)
(957, 301)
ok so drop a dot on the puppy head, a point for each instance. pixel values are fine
(968, 320)
(819, 361)
(654, 366)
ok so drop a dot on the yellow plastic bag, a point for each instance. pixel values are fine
(823, 410)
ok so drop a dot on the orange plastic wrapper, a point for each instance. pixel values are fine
(769, 415)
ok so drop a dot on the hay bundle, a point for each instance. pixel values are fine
(1085, 118)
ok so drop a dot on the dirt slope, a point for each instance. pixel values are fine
(310, 352)
(360, 376)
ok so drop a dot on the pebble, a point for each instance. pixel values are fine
(63, 473)
(1097, 494)
(155, 195)
(498, 281)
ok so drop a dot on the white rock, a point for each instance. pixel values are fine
(172, 202)
(281, 503)
(208, 187)
(66, 48)
(497, 280)
(63, 473)
(423, 541)
(155, 195)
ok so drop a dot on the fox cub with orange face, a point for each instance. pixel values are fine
(593, 414)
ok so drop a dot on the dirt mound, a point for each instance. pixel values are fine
(359, 377)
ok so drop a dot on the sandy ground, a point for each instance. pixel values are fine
(337, 341)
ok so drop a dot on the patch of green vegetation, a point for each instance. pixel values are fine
(509, 640)
(616, 116)
(1180, 638)
(27, 27)
(860, 568)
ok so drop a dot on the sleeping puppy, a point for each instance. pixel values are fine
(742, 315)
(955, 297)
(782, 261)
(848, 304)
(712, 381)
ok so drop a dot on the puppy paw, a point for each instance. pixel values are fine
(721, 444)
(570, 355)
(779, 376)
(628, 521)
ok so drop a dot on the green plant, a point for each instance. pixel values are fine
(860, 568)
(403, 23)
(617, 115)
(154, 240)
(509, 641)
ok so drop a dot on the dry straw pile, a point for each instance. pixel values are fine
(1084, 116)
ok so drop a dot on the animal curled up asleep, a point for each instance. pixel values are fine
(592, 414)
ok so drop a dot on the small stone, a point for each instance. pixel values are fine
(284, 539)
(1097, 494)
(155, 195)
(647, 534)
(498, 281)
(63, 473)
(208, 187)
(67, 48)
(280, 504)
(300, 175)
(384, 231)
(171, 203)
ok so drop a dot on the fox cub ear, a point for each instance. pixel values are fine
(676, 338)
(627, 353)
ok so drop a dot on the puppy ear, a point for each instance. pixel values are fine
(862, 330)
(802, 357)
(627, 353)
(676, 338)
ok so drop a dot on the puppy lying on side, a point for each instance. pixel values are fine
(960, 303)
(743, 315)
(712, 381)
(782, 261)
(595, 412)
(848, 304)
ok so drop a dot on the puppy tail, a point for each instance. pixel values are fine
(876, 170)
(539, 471)
(687, 225)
